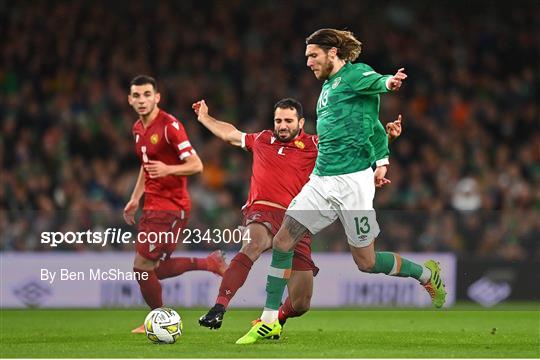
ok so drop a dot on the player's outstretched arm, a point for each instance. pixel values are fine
(394, 82)
(221, 129)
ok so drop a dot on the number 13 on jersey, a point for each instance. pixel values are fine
(323, 99)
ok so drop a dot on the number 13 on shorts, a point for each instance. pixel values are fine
(361, 227)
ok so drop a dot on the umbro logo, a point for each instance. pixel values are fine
(33, 293)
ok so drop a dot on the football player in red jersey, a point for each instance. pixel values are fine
(167, 159)
(283, 159)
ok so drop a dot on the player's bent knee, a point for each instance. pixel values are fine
(254, 249)
(143, 263)
(365, 264)
(289, 234)
(282, 242)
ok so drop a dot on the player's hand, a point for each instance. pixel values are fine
(393, 129)
(201, 109)
(394, 83)
(130, 210)
(380, 173)
(156, 169)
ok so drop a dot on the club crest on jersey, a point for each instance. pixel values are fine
(336, 82)
(299, 144)
(154, 139)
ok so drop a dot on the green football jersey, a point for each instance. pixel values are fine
(347, 117)
(379, 140)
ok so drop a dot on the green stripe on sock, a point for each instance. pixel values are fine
(384, 263)
(275, 287)
(274, 292)
(282, 259)
(410, 269)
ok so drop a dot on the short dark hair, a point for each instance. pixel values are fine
(143, 80)
(290, 103)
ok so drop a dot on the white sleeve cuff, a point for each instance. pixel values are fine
(388, 83)
(243, 141)
(382, 162)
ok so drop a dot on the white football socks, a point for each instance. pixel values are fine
(269, 316)
(426, 275)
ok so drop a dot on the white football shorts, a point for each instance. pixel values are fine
(348, 197)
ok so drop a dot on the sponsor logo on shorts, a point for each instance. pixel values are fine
(255, 217)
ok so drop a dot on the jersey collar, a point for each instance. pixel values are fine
(156, 120)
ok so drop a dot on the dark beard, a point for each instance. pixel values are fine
(327, 71)
(289, 138)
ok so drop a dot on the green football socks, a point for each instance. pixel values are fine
(278, 275)
(393, 264)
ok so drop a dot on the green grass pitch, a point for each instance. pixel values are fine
(462, 331)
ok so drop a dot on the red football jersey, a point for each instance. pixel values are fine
(164, 140)
(280, 169)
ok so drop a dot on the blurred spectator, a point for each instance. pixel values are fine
(466, 171)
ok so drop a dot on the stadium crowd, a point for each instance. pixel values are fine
(465, 172)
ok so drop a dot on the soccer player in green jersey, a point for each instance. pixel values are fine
(342, 184)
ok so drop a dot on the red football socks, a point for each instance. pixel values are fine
(234, 278)
(287, 311)
(150, 288)
(176, 266)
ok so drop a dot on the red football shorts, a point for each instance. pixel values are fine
(158, 231)
(272, 217)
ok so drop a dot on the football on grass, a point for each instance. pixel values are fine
(163, 325)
